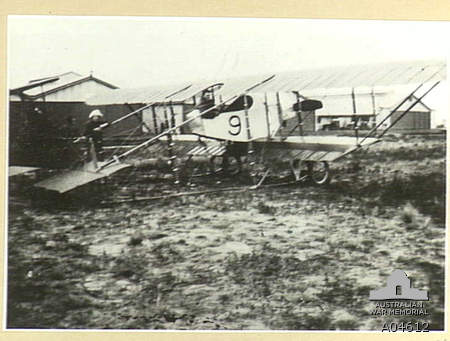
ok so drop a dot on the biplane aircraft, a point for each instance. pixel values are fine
(238, 125)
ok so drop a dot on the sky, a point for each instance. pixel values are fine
(138, 51)
(144, 51)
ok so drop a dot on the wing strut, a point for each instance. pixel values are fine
(401, 103)
(169, 131)
(407, 110)
(396, 108)
(391, 113)
(120, 119)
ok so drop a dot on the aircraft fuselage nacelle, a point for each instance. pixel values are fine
(253, 116)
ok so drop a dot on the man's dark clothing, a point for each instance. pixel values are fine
(97, 136)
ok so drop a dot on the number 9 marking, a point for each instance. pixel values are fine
(235, 123)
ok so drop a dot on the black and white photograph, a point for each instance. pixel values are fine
(225, 174)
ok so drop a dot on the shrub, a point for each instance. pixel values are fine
(409, 214)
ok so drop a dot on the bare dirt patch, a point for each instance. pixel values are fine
(292, 257)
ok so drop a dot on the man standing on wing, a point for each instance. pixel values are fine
(93, 130)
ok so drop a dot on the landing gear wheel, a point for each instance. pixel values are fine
(183, 172)
(319, 172)
(257, 177)
(216, 164)
(232, 165)
(257, 170)
(258, 174)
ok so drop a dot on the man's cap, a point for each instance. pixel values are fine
(95, 113)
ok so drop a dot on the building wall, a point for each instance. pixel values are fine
(58, 112)
(124, 128)
(34, 140)
(54, 154)
(412, 120)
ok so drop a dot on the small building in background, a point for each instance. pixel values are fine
(59, 97)
(366, 108)
(418, 118)
(65, 87)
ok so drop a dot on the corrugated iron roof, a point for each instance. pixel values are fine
(152, 94)
(237, 86)
(65, 78)
(32, 84)
(71, 73)
(174, 92)
(375, 75)
(311, 82)
(134, 95)
(44, 86)
(193, 90)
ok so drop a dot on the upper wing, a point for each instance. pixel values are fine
(321, 81)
